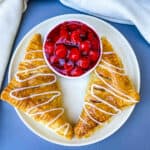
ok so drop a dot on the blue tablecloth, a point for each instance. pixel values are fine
(134, 135)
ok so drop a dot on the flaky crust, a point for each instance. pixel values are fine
(51, 114)
(102, 99)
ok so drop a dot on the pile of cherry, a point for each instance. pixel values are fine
(72, 48)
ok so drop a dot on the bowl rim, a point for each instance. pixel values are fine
(87, 72)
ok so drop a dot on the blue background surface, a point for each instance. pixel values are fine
(134, 135)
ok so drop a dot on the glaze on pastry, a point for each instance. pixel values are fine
(108, 92)
(35, 91)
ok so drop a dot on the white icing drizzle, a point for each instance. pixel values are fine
(128, 98)
(89, 115)
(112, 70)
(112, 66)
(63, 126)
(46, 111)
(85, 122)
(37, 75)
(109, 52)
(54, 96)
(29, 87)
(100, 99)
(113, 91)
(32, 69)
(59, 115)
(33, 51)
(99, 109)
(29, 61)
(57, 93)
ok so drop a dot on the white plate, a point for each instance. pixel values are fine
(74, 90)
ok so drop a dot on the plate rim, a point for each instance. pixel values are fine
(88, 142)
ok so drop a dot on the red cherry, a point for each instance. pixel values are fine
(61, 51)
(73, 26)
(90, 36)
(82, 34)
(63, 26)
(55, 37)
(95, 44)
(75, 36)
(85, 46)
(72, 48)
(68, 66)
(64, 34)
(84, 63)
(49, 48)
(84, 28)
(74, 54)
(93, 55)
(53, 59)
(77, 71)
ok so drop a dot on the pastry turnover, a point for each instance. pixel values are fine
(108, 92)
(35, 91)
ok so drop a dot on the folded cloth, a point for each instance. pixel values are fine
(128, 11)
(10, 16)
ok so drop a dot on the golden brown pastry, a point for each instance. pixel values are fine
(109, 91)
(34, 90)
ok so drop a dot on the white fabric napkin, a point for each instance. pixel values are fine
(127, 11)
(10, 16)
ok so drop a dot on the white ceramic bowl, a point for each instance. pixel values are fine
(87, 72)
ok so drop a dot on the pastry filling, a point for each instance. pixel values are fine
(72, 48)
